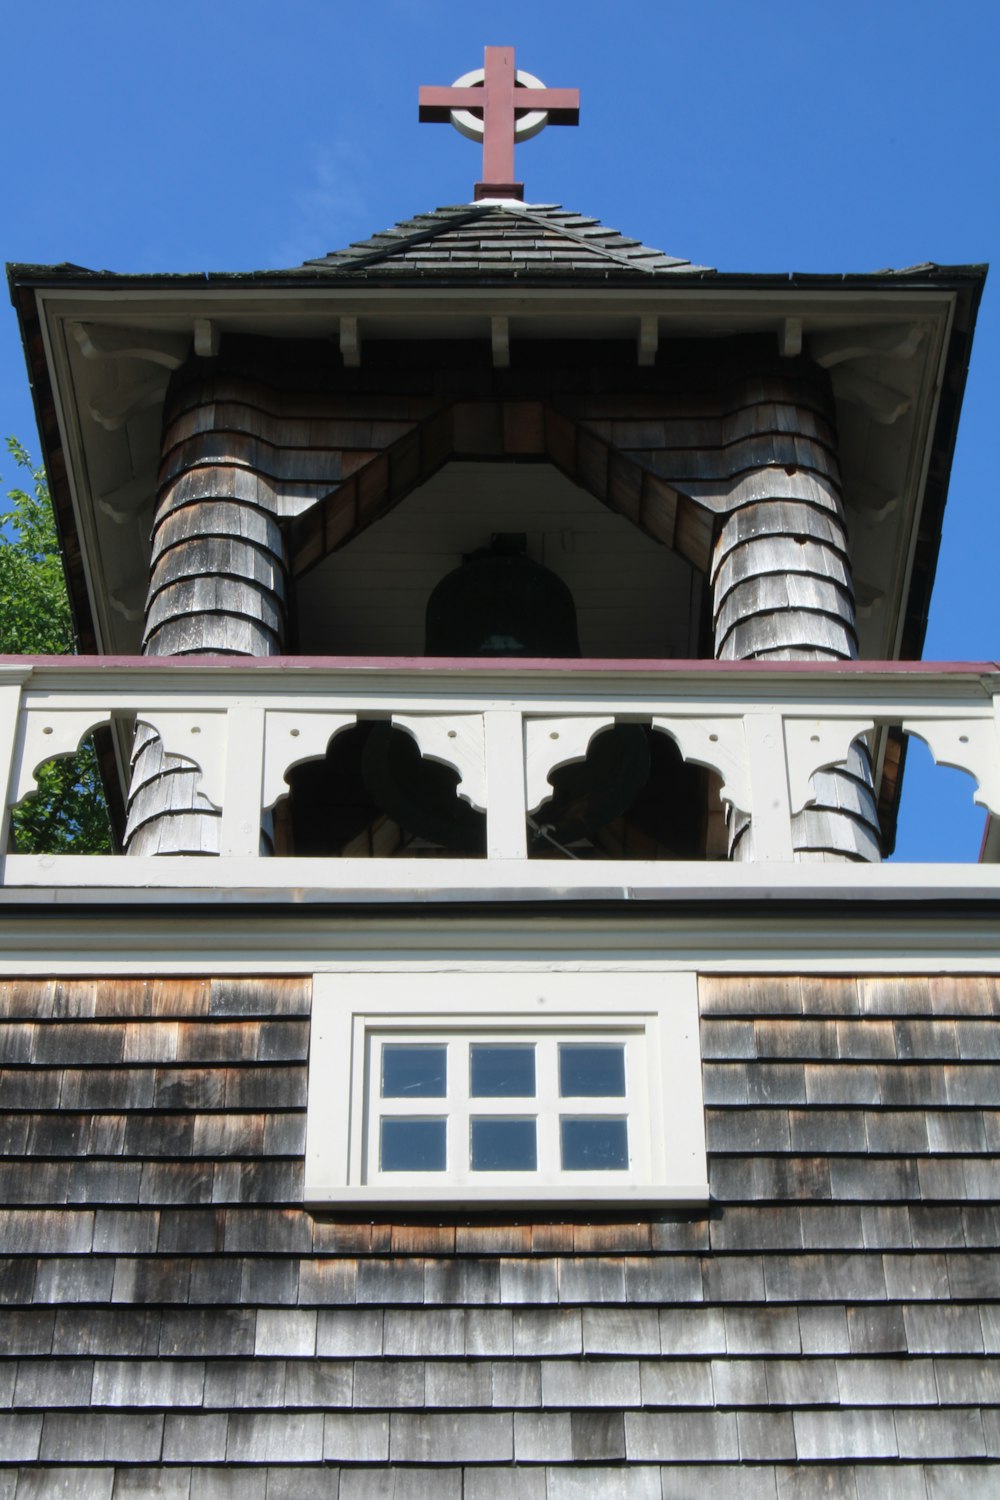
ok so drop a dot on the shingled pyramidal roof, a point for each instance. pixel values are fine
(500, 238)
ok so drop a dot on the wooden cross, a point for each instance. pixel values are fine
(501, 106)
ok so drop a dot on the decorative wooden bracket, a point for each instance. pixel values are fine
(107, 341)
(867, 599)
(813, 745)
(883, 403)
(129, 599)
(551, 743)
(197, 737)
(125, 503)
(872, 501)
(289, 740)
(456, 740)
(720, 745)
(50, 736)
(894, 341)
(114, 410)
(971, 745)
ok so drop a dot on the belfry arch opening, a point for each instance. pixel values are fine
(634, 597)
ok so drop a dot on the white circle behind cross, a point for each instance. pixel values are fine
(529, 124)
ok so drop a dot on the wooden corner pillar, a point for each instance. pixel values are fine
(782, 590)
(217, 585)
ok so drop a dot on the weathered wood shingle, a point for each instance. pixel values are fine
(174, 1323)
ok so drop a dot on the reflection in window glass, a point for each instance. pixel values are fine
(593, 1145)
(413, 1145)
(498, 1072)
(414, 1072)
(504, 1146)
(591, 1071)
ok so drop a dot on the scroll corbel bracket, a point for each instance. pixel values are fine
(719, 745)
(882, 402)
(106, 341)
(196, 737)
(813, 745)
(970, 745)
(114, 410)
(551, 743)
(456, 740)
(50, 735)
(289, 740)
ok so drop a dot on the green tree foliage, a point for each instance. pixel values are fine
(68, 813)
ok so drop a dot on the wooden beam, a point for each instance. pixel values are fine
(350, 342)
(500, 340)
(649, 338)
(790, 338)
(206, 338)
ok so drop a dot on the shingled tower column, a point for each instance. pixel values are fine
(782, 591)
(218, 586)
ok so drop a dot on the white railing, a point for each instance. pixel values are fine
(766, 729)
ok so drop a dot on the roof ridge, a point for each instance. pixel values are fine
(403, 237)
(586, 240)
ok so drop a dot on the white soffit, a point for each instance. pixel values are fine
(887, 387)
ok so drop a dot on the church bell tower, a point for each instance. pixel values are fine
(500, 1057)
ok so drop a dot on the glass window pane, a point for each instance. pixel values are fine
(413, 1145)
(499, 1072)
(504, 1146)
(594, 1145)
(414, 1072)
(591, 1071)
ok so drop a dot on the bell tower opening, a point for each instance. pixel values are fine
(634, 597)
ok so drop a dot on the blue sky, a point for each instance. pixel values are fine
(772, 136)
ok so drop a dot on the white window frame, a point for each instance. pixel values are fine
(654, 1013)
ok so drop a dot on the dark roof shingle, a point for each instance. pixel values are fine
(499, 238)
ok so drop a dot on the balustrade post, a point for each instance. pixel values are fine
(768, 766)
(506, 815)
(240, 833)
(10, 708)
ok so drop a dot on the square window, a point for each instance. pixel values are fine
(501, 1072)
(414, 1072)
(407, 1145)
(587, 1071)
(505, 1087)
(503, 1145)
(593, 1145)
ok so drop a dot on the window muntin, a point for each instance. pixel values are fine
(508, 1105)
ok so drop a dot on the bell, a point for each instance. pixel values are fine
(500, 603)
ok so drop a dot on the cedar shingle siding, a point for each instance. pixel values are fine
(174, 1324)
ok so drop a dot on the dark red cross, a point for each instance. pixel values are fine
(498, 100)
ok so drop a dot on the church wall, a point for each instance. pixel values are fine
(175, 1323)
